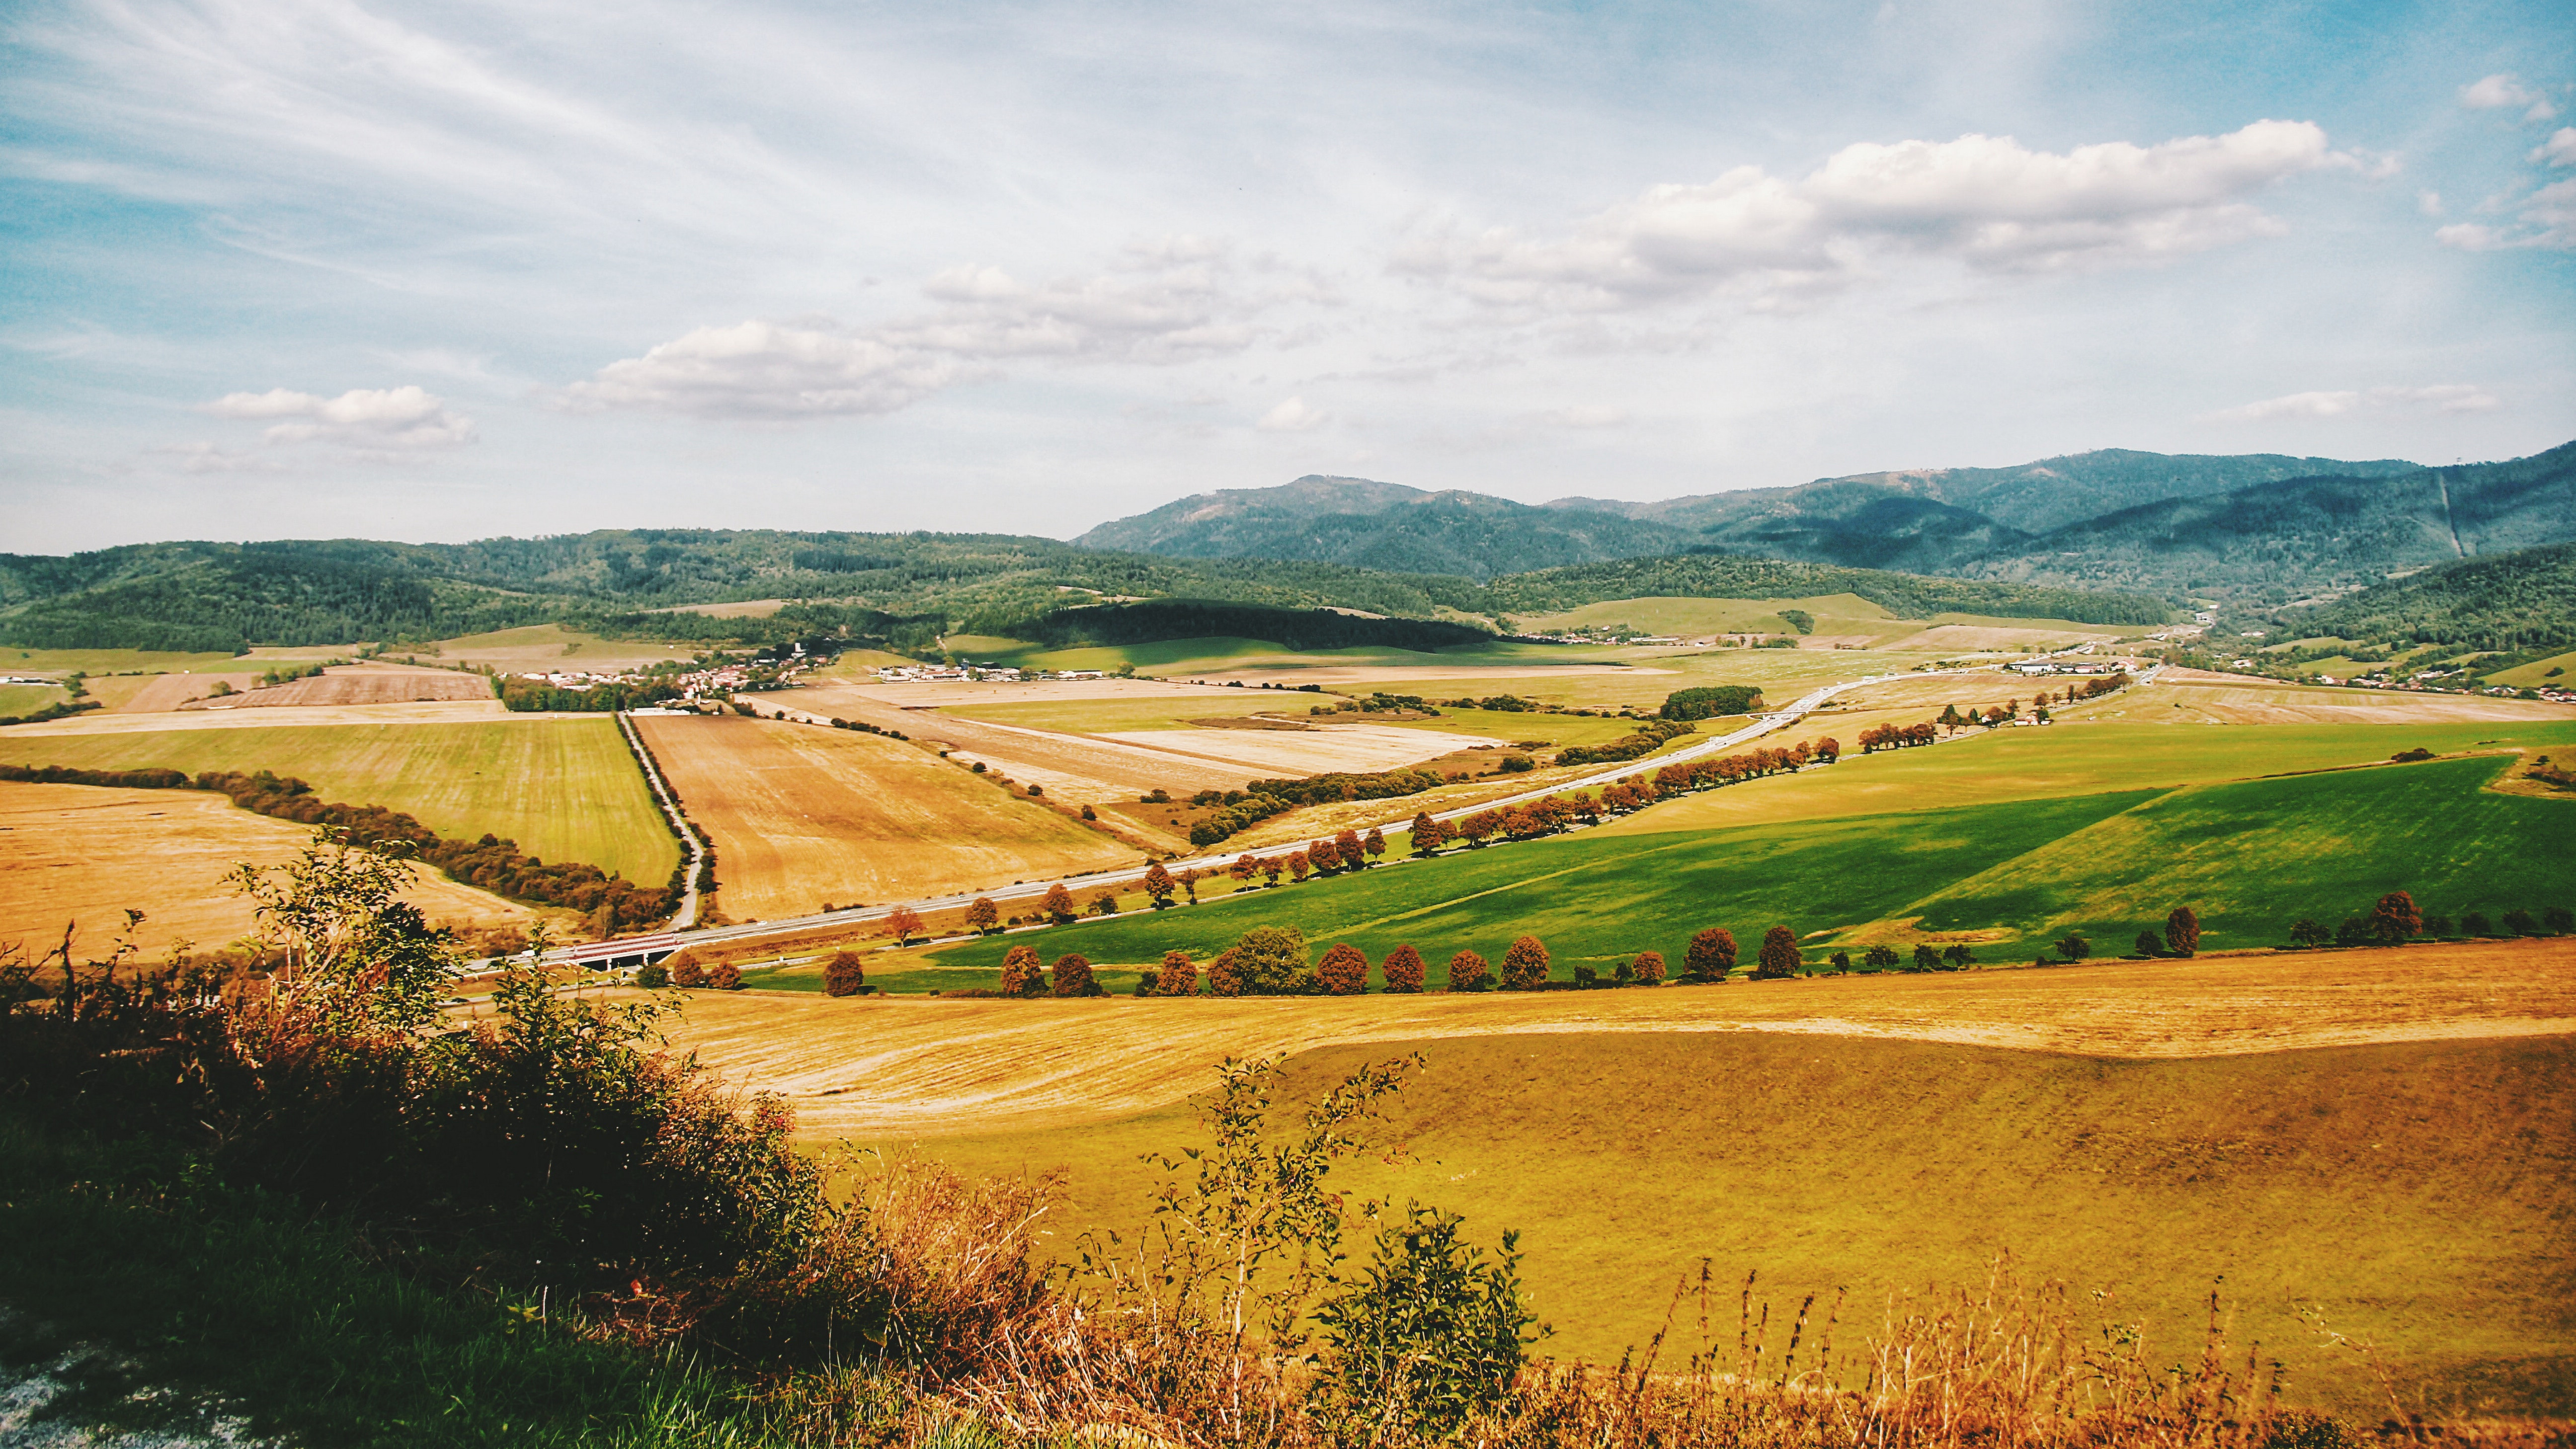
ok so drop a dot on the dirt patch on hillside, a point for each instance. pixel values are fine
(86, 854)
(927, 1068)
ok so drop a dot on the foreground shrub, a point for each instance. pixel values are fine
(1431, 1336)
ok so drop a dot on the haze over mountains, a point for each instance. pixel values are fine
(2260, 525)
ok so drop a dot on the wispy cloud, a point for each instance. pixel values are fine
(2504, 92)
(2450, 397)
(382, 420)
(1293, 416)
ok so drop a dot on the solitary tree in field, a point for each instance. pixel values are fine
(1159, 886)
(1710, 955)
(1343, 970)
(1524, 965)
(1022, 973)
(1780, 955)
(1073, 976)
(2395, 919)
(1058, 904)
(2182, 931)
(843, 975)
(725, 977)
(1841, 962)
(983, 917)
(2074, 948)
(1179, 977)
(1647, 969)
(1404, 971)
(1470, 972)
(904, 923)
(2151, 944)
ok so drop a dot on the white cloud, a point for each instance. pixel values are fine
(396, 419)
(1987, 201)
(2497, 92)
(1171, 302)
(1293, 416)
(1588, 416)
(2559, 149)
(2449, 397)
(2548, 220)
(2429, 202)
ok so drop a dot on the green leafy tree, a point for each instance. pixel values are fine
(844, 975)
(1343, 970)
(2182, 931)
(1926, 957)
(1022, 973)
(1073, 976)
(1647, 969)
(2151, 944)
(1524, 965)
(1710, 955)
(349, 949)
(1179, 976)
(2075, 948)
(1404, 971)
(1959, 957)
(1272, 961)
(1841, 962)
(1880, 957)
(2355, 931)
(2521, 922)
(2558, 919)
(2475, 923)
(1780, 955)
(1470, 972)
(2306, 932)
(1430, 1336)
(652, 976)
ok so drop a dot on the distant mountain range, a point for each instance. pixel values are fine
(2257, 528)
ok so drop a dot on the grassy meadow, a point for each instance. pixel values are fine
(565, 790)
(2251, 858)
(2415, 1194)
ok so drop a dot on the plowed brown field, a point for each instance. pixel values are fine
(929, 1068)
(78, 853)
(803, 815)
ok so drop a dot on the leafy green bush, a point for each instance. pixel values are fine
(1432, 1335)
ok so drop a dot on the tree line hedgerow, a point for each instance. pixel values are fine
(2394, 919)
(492, 864)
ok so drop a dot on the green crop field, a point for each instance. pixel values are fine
(2417, 1195)
(105, 661)
(1833, 613)
(2250, 858)
(2556, 672)
(24, 699)
(2073, 757)
(565, 790)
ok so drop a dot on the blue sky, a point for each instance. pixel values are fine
(315, 268)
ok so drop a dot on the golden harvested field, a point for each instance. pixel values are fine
(108, 722)
(1075, 768)
(803, 815)
(1317, 750)
(940, 693)
(1427, 678)
(360, 684)
(160, 693)
(85, 854)
(930, 1068)
(2269, 704)
(551, 645)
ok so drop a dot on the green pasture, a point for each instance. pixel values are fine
(2556, 672)
(565, 790)
(2073, 757)
(25, 699)
(2250, 858)
(2417, 1195)
(1675, 615)
(106, 661)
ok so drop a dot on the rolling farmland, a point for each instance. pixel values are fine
(564, 789)
(78, 853)
(802, 815)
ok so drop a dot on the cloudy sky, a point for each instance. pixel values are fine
(442, 271)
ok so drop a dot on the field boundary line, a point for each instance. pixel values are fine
(687, 914)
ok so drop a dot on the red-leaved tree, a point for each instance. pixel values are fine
(1022, 973)
(1179, 976)
(1404, 971)
(1073, 976)
(1524, 965)
(1647, 969)
(2395, 919)
(1710, 955)
(843, 975)
(1780, 955)
(983, 916)
(1344, 970)
(1470, 972)
(904, 922)
(1225, 974)
(1058, 904)
(2182, 931)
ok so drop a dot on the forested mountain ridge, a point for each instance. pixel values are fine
(1368, 524)
(900, 590)
(2512, 602)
